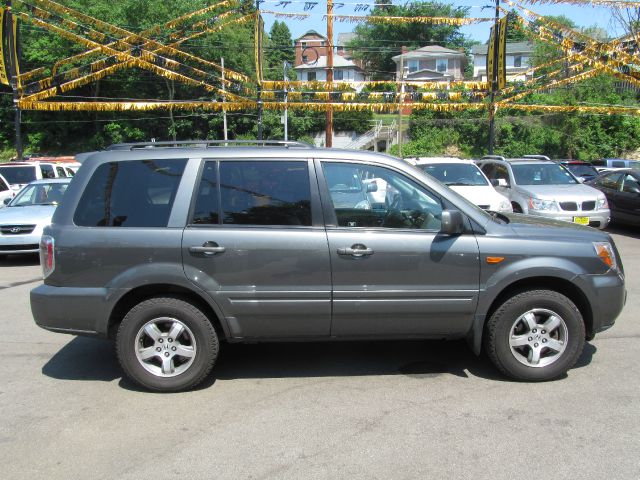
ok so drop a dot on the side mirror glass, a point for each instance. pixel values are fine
(452, 222)
(494, 182)
(7, 200)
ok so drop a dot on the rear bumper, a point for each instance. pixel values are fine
(77, 311)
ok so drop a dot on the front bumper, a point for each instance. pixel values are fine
(607, 296)
(597, 218)
(29, 243)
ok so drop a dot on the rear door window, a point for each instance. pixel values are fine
(47, 171)
(611, 182)
(61, 172)
(130, 194)
(274, 193)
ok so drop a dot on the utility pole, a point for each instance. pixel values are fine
(401, 101)
(329, 135)
(494, 80)
(286, 119)
(259, 66)
(224, 99)
(14, 72)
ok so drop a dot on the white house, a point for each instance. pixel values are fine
(344, 70)
(518, 61)
(431, 63)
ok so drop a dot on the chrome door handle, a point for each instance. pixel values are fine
(356, 251)
(207, 250)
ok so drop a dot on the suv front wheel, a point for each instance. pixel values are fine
(536, 335)
(167, 344)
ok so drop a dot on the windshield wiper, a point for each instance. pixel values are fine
(499, 217)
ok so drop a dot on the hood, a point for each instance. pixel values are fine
(576, 192)
(533, 226)
(29, 215)
(480, 195)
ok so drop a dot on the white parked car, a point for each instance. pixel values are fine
(24, 218)
(464, 177)
(6, 193)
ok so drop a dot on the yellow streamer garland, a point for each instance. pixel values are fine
(403, 20)
(591, 3)
(337, 86)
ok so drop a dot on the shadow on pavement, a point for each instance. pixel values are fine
(23, 260)
(624, 230)
(95, 360)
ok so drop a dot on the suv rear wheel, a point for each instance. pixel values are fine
(167, 344)
(536, 335)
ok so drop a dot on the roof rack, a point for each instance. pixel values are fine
(494, 157)
(208, 143)
(537, 157)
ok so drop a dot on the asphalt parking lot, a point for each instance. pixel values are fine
(370, 410)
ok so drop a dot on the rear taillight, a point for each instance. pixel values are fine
(47, 255)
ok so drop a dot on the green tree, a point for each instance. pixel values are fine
(279, 49)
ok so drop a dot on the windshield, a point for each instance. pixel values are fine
(456, 174)
(542, 174)
(15, 175)
(40, 194)
(582, 170)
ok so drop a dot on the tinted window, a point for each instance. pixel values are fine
(582, 170)
(3, 186)
(630, 184)
(265, 193)
(206, 208)
(17, 175)
(456, 174)
(366, 196)
(130, 194)
(47, 171)
(611, 181)
(618, 164)
(542, 174)
(61, 172)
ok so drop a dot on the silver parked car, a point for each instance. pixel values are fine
(544, 188)
(24, 217)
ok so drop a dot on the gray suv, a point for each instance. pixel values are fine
(171, 249)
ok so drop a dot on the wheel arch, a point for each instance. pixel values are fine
(560, 285)
(144, 292)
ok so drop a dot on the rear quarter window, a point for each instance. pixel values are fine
(136, 193)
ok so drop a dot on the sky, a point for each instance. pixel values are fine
(583, 16)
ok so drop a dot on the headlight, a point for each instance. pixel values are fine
(505, 206)
(605, 253)
(602, 203)
(543, 205)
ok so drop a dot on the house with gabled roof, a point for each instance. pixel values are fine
(517, 58)
(430, 63)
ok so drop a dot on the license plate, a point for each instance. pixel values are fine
(581, 220)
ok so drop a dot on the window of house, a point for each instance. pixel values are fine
(517, 61)
(442, 64)
(338, 75)
(305, 59)
(413, 65)
(311, 76)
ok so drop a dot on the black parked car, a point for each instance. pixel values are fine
(583, 171)
(622, 188)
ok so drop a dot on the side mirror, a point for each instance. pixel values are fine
(372, 187)
(7, 200)
(502, 182)
(452, 222)
(494, 182)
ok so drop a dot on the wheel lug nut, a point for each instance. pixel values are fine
(158, 349)
(534, 331)
(543, 332)
(166, 354)
(544, 340)
(173, 348)
(530, 338)
(171, 339)
(161, 340)
(535, 345)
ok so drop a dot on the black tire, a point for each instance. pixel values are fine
(510, 324)
(199, 335)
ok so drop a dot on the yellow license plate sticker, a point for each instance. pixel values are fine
(581, 220)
